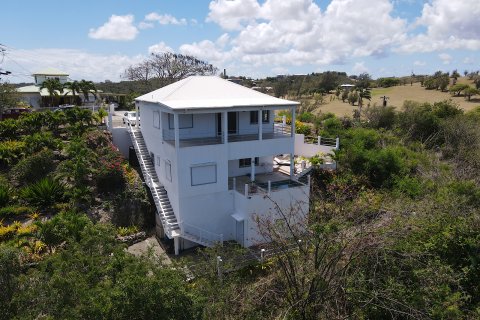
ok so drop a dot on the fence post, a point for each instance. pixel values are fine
(284, 120)
(319, 140)
(269, 188)
(246, 189)
(337, 143)
(234, 183)
(262, 255)
(219, 267)
(309, 179)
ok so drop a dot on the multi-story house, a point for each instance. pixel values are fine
(207, 149)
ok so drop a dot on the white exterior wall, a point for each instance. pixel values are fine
(289, 199)
(245, 127)
(32, 99)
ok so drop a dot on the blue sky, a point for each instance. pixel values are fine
(97, 40)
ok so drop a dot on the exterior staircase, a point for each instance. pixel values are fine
(160, 196)
(171, 226)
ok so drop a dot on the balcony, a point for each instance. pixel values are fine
(264, 184)
(199, 138)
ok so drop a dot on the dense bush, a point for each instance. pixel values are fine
(15, 212)
(33, 168)
(11, 152)
(44, 193)
(39, 141)
(4, 195)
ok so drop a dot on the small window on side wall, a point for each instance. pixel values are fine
(168, 170)
(204, 173)
(247, 162)
(156, 119)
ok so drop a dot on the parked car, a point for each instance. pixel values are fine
(14, 113)
(130, 118)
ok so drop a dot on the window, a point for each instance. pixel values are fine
(254, 117)
(205, 173)
(265, 116)
(156, 119)
(168, 170)
(158, 161)
(185, 121)
(247, 162)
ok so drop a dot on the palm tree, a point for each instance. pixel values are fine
(52, 86)
(363, 93)
(75, 88)
(87, 87)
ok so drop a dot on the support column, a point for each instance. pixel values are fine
(137, 122)
(176, 245)
(252, 166)
(293, 122)
(111, 110)
(292, 165)
(160, 127)
(176, 125)
(225, 126)
(260, 125)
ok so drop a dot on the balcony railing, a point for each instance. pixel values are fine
(200, 138)
(263, 188)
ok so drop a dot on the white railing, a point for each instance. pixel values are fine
(267, 188)
(200, 235)
(323, 141)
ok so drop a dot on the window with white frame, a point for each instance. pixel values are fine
(204, 173)
(168, 170)
(247, 162)
(185, 121)
(156, 119)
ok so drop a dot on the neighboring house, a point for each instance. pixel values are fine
(212, 145)
(36, 97)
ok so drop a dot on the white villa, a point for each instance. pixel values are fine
(208, 151)
(33, 95)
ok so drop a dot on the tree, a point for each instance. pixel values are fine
(168, 67)
(87, 87)
(8, 97)
(363, 81)
(468, 92)
(54, 87)
(363, 94)
(75, 88)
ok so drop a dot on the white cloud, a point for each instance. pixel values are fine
(145, 25)
(79, 64)
(468, 60)
(419, 63)
(359, 67)
(280, 33)
(231, 14)
(165, 19)
(159, 48)
(450, 25)
(116, 28)
(445, 57)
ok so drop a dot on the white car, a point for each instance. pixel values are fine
(130, 118)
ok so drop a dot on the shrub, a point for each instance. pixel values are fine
(380, 117)
(306, 117)
(4, 195)
(302, 128)
(11, 152)
(43, 193)
(39, 141)
(14, 211)
(8, 129)
(33, 168)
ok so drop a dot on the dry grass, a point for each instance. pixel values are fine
(397, 95)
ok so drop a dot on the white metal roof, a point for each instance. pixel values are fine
(50, 72)
(206, 92)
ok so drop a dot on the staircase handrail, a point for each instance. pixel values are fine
(204, 236)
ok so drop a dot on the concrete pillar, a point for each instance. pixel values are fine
(292, 165)
(293, 121)
(252, 167)
(225, 126)
(176, 245)
(176, 124)
(260, 125)
(137, 122)
(160, 124)
(111, 110)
